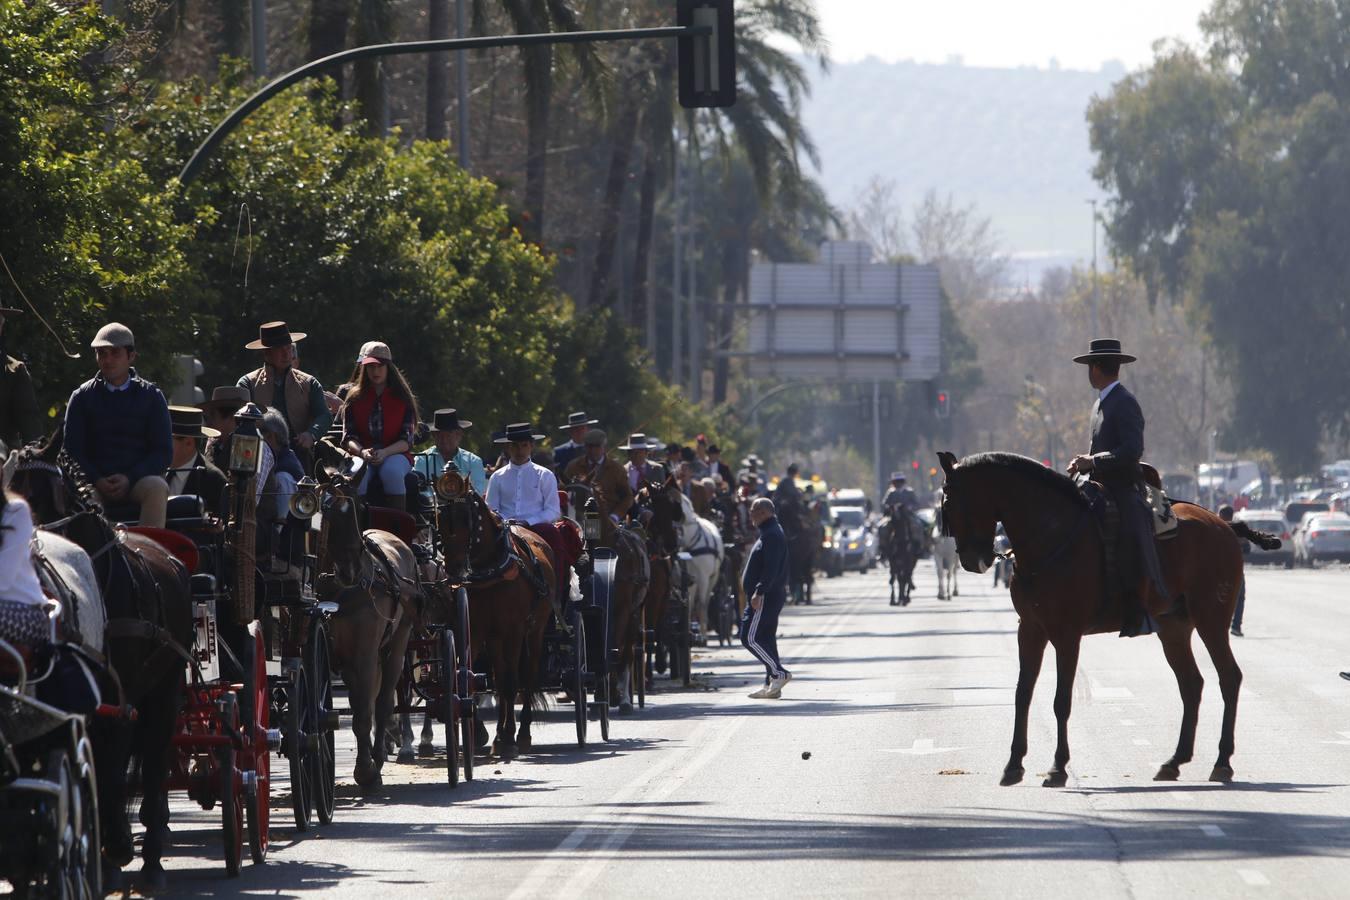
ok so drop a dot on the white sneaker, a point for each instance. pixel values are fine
(775, 688)
(761, 694)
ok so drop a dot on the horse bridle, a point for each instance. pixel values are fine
(1024, 573)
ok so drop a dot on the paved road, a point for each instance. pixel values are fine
(906, 715)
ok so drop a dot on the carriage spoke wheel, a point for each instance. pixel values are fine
(685, 648)
(257, 797)
(578, 686)
(639, 671)
(59, 872)
(602, 700)
(231, 810)
(299, 726)
(89, 847)
(320, 758)
(450, 714)
(465, 688)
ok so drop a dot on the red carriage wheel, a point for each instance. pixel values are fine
(258, 795)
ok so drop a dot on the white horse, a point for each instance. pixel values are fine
(69, 575)
(944, 560)
(702, 540)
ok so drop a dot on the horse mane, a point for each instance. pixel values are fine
(1028, 467)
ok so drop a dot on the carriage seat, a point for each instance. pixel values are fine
(400, 524)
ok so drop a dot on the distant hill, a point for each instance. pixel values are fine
(1013, 141)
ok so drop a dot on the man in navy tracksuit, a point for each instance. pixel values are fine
(765, 580)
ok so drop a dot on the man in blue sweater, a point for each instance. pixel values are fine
(765, 580)
(118, 428)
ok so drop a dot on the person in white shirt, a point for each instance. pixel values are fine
(23, 621)
(524, 491)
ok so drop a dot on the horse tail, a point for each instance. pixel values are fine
(1259, 538)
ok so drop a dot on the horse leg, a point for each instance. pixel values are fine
(405, 732)
(1176, 640)
(1066, 667)
(1031, 641)
(386, 693)
(1230, 683)
(156, 735)
(952, 568)
(941, 576)
(361, 675)
(427, 745)
(508, 688)
(530, 661)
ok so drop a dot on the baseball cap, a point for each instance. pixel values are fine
(374, 352)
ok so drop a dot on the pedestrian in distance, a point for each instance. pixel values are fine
(118, 429)
(765, 581)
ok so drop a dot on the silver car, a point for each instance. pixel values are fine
(1322, 536)
(1271, 522)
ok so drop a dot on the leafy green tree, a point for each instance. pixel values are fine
(1231, 175)
(88, 234)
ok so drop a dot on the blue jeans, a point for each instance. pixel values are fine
(391, 473)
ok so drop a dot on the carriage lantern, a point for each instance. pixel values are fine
(305, 500)
(451, 485)
(246, 443)
(591, 521)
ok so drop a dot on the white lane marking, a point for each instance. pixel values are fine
(1127, 721)
(1142, 742)
(1099, 692)
(1253, 878)
(702, 745)
(1344, 734)
(1213, 831)
(922, 747)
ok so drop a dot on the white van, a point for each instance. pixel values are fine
(1228, 478)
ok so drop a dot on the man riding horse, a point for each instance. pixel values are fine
(607, 478)
(1113, 461)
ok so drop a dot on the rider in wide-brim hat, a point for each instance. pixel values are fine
(519, 431)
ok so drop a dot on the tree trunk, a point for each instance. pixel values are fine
(616, 182)
(642, 288)
(328, 32)
(438, 93)
(233, 14)
(736, 265)
(538, 99)
(373, 27)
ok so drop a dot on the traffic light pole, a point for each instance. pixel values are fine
(880, 470)
(221, 131)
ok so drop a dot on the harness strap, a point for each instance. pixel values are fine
(148, 631)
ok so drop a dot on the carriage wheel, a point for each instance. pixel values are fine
(467, 709)
(602, 699)
(60, 874)
(231, 810)
(684, 646)
(320, 757)
(450, 715)
(638, 670)
(299, 725)
(258, 797)
(88, 843)
(578, 686)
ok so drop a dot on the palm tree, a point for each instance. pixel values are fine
(537, 17)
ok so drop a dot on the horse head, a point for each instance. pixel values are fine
(967, 516)
(466, 526)
(42, 479)
(667, 511)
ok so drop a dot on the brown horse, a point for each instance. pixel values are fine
(1059, 592)
(662, 511)
(632, 576)
(373, 577)
(512, 582)
(148, 602)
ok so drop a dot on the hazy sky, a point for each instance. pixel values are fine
(1081, 34)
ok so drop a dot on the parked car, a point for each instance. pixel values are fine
(1296, 510)
(1271, 522)
(1322, 536)
(854, 539)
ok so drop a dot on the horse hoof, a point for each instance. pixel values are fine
(427, 749)
(1222, 774)
(373, 785)
(508, 753)
(1012, 776)
(1056, 779)
(524, 743)
(113, 880)
(153, 877)
(405, 757)
(626, 708)
(1168, 772)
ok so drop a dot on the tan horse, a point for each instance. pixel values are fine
(373, 577)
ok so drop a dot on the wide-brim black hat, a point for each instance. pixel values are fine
(519, 431)
(449, 420)
(578, 420)
(641, 442)
(274, 334)
(1104, 350)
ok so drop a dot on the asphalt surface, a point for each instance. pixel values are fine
(906, 715)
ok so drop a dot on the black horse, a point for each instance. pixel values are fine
(900, 538)
(149, 610)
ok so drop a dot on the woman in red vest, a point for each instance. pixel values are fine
(378, 417)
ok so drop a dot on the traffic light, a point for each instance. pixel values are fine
(185, 391)
(943, 406)
(914, 465)
(707, 63)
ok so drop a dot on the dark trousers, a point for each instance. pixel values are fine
(1241, 603)
(759, 631)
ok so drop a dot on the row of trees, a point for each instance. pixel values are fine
(303, 217)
